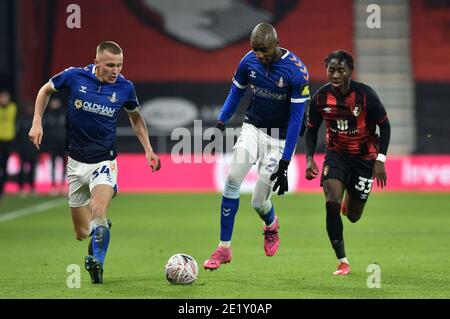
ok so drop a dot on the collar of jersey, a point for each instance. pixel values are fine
(95, 78)
(93, 73)
(284, 55)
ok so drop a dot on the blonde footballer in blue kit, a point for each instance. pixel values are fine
(97, 93)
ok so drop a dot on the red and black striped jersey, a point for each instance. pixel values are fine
(350, 119)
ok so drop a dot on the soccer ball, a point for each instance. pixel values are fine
(181, 269)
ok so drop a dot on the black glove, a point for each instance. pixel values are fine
(219, 125)
(280, 177)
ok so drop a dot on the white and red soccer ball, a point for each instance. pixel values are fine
(181, 269)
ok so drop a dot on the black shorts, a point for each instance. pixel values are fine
(354, 173)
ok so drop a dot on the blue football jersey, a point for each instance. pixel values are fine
(274, 87)
(92, 112)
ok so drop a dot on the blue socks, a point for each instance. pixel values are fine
(269, 217)
(228, 212)
(100, 242)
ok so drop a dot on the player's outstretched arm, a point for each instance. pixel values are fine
(36, 132)
(231, 103)
(379, 171)
(140, 129)
(312, 171)
(229, 107)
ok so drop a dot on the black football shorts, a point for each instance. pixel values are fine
(354, 173)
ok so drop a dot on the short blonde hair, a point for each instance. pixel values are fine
(110, 46)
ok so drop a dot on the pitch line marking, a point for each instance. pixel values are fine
(32, 210)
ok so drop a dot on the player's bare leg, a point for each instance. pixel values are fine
(354, 209)
(92, 222)
(344, 204)
(100, 198)
(83, 224)
(81, 217)
(334, 191)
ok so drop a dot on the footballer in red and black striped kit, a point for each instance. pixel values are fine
(354, 154)
(350, 119)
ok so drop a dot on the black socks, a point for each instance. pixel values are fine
(335, 228)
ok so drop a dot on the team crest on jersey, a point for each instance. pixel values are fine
(326, 169)
(78, 104)
(209, 34)
(281, 83)
(113, 98)
(356, 109)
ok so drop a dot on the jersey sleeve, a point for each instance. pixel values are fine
(300, 84)
(240, 78)
(131, 104)
(375, 108)
(299, 97)
(300, 92)
(314, 119)
(63, 79)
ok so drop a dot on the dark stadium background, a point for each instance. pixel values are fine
(36, 44)
(181, 56)
(174, 59)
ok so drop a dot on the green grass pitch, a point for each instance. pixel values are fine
(407, 235)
